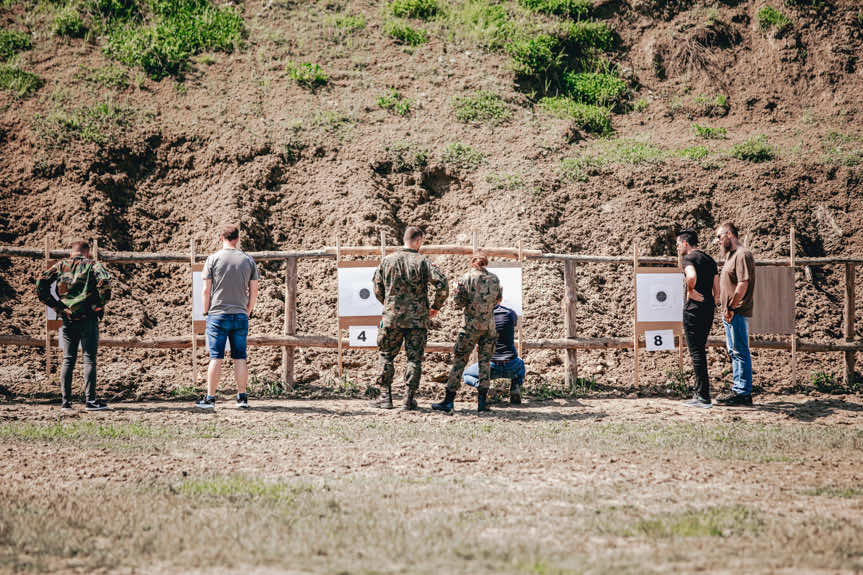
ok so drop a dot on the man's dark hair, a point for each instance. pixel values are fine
(412, 234)
(79, 246)
(731, 228)
(689, 236)
(230, 232)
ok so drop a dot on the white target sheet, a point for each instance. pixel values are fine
(198, 296)
(510, 282)
(357, 294)
(659, 297)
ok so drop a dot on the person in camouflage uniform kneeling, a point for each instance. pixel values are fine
(401, 284)
(83, 287)
(477, 292)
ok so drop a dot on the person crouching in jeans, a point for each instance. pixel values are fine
(230, 291)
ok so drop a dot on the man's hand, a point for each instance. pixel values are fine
(433, 313)
(694, 295)
(67, 312)
(729, 314)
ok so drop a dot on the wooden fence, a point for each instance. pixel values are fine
(289, 340)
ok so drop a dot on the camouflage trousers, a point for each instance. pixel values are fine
(484, 340)
(390, 342)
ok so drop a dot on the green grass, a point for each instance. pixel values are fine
(100, 123)
(68, 22)
(404, 33)
(826, 382)
(59, 431)
(349, 23)
(108, 76)
(481, 108)
(755, 149)
(237, 487)
(406, 157)
(504, 182)
(576, 9)
(710, 522)
(12, 42)
(712, 106)
(585, 37)
(694, 153)
(842, 149)
(538, 58)
(610, 152)
(596, 119)
(307, 75)
(594, 88)
(640, 105)
(480, 22)
(710, 133)
(395, 102)
(22, 84)
(771, 18)
(185, 392)
(419, 9)
(173, 32)
(835, 492)
(462, 156)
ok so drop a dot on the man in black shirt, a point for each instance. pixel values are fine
(505, 363)
(702, 289)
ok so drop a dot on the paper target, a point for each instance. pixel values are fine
(660, 297)
(197, 296)
(50, 314)
(510, 282)
(356, 293)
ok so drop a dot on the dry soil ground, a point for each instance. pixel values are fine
(564, 486)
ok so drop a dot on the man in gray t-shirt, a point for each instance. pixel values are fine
(230, 291)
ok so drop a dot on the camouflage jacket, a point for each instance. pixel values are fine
(478, 292)
(82, 285)
(401, 284)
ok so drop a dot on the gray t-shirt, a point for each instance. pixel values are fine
(231, 271)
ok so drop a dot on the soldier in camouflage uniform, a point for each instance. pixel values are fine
(83, 287)
(401, 284)
(477, 292)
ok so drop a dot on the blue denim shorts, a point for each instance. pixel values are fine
(221, 328)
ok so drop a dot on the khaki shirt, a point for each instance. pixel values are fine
(739, 267)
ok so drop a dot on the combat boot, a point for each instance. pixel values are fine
(447, 404)
(385, 399)
(410, 403)
(482, 400)
(514, 393)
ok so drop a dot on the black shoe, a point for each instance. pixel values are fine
(482, 401)
(698, 401)
(67, 406)
(95, 405)
(515, 399)
(206, 402)
(410, 403)
(736, 399)
(448, 403)
(242, 401)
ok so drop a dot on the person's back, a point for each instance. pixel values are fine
(705, 270)
(401, 284)
(505, 321)
(230, 269)
(478, 293)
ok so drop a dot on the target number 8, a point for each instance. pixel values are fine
(657, 340)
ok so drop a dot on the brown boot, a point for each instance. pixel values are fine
(410, 403)
(385, 399)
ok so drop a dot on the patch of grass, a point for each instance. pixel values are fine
(86, 430)
(594, 88)
(771, 18)
(419, 9)
(403, 33)
(843, 149)
(835, 492)
(694, 153)
(711, 522)
(481, 108)
(755, 149)
(99, 124)
(640, 105)
(68, 22)
(349, 23)
(12, 42)
(504, 182)
(825, 382)
(607, 153)
(538, 58)
(406, 157)
(395, 102)
(265, 387)
(545, 391)
(481, 22)
(462, 156)
(22, 84)
(585, 38)
(576, 9)
(307, 75)
(332, 120)
(236, 487)
(108, 76)
(710, 133)
(596, 119)
(185, 392)
(715, 106)
(175, 31)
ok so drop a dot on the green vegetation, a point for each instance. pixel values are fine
(843, 149)
(481, 108)
(710, 522)
(172, 31)
(307, 75)
(771, 18)
(596, 119)
(108, 76)
(403, 33)
(807, 4)
(185, 392)
(715, 106)
(586, 38)
(19, 82)
(569, 8)
(594, 88)
(640, 105)
(755, 149)
(12, 42)
(420, 9)
(68, 22)
(480, 22)
(505, 182)
(99, 124)
(395, 102)
(538, 58)
(76, 430)
(235, 487)
(406, 157)
(610, 152)
(825, 382)
(349, 23)
(462, 156)
(709, 133)
(694, 153)
(836, 492)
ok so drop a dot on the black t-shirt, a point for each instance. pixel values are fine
(705, 271)
(504, 323)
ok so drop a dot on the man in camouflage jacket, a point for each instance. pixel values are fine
(478, 292)
(83, 287)
(401, 285)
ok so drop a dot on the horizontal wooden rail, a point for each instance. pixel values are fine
(320, 341)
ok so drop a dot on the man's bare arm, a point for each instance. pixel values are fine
(208, 289)
(253, 295)
(691, 280)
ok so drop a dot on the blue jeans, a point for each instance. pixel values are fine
(224, 327)
(512, 370)
(737, 340)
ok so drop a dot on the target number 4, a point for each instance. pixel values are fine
(363, 336)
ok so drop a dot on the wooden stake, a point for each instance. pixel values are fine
(850, 314)
(290, 324)
(474, 242)
(791, 256)
(383, 244)
(192, 321)
(521, 320)
(48, 351)
(569, 301)
(635, 313)
(338, 327)
(95, 251)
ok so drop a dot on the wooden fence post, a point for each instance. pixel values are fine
(290, 325)
(192, 320)
(635, 314)
(48, 351)
(850, 313)
(793, 261)
(569, 300)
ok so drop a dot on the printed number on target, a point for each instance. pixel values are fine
(363, 336)
(659, 339)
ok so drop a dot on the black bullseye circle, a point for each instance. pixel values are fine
(661, 296)
(364, 293)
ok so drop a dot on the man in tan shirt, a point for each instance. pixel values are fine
(736, 293)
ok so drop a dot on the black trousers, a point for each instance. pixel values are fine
(86, 333)
(697, 322)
